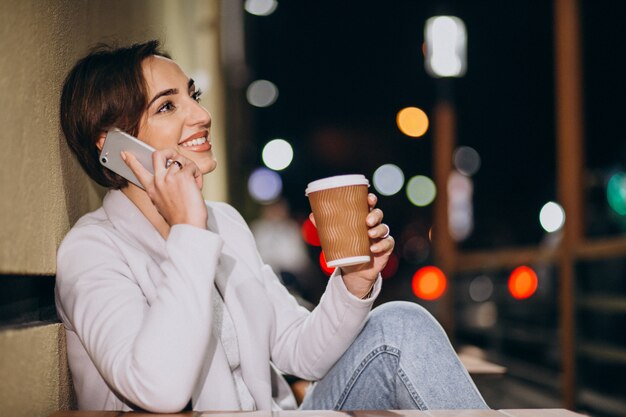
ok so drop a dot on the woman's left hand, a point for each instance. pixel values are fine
(359, 279)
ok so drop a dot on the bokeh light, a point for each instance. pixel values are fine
(264, 185)
(277, 154)
(262, 93)
(429, 283)
(481, 288)
(421, 190)
(260, 7)
(466, 160)
(325, 268)
(522, 282)
(486, 315)
(391, 268)
(552, 217)
(388, 179)
(616, 193)
(460, 206)
(412, 121)
(446, 39)
(309, 233)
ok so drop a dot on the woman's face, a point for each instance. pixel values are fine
(174, 118)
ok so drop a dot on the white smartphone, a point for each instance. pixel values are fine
(117, 141)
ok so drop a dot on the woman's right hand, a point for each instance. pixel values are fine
(175, 190)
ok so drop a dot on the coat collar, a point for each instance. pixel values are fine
(133, 226)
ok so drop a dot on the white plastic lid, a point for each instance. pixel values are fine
(335, 182)
(353, 260)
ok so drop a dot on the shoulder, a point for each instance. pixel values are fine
(226, 221)
(92, 236)
(225, 213)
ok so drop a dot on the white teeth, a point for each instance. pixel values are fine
(195, 142)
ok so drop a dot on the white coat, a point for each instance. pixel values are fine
(137, 312)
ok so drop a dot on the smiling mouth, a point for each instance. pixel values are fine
(194, 142)
(200, 142)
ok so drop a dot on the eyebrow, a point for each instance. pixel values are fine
(170, 92)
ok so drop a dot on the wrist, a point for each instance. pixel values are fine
(358, 286)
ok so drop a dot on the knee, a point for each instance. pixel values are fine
(405, 317)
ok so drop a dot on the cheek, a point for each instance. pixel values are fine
(159, 135)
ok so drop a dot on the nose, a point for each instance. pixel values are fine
(198, 115)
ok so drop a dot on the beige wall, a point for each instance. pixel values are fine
(35, 377)
(43, 191)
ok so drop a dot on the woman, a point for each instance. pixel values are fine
(166, 301)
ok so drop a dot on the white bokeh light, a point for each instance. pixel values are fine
(446, 44)
(388, 179)
(552, 217)
(260, 7)
(264, 185)
(466, 160)
(262, 93)
(277, 154)
(421, 190)
(481, 288)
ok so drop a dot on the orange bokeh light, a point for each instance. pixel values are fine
(523, 282)
(429, 283)
(412, 121)
(325, 268)
(309, 233)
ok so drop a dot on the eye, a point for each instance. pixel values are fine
(196, 95)
(166, 107)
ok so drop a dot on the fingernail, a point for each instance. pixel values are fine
(123, 155)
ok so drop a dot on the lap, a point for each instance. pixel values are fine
(401, 359)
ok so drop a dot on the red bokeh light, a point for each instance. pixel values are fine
(523, 282)
(429, 283)
(392, 266)
(325, 268)
(309, 233)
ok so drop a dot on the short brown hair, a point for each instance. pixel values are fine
(105, 89)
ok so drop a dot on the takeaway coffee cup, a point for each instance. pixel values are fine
(340, 207)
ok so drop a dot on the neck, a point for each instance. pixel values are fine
(141, 199)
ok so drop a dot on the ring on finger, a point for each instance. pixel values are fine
(386, 235)
(169, 162)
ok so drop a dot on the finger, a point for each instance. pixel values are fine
(198, 175)
(159, 160)
(312, 218)
(143, 175)
(374, 217)
(383, 246)
(372, 200)
(187, 167)
(380, 231)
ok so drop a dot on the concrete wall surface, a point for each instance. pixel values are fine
(43, 189)
(34, 372)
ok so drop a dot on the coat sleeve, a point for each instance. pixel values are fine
(310, 345)
(307, 344)
(148, 353)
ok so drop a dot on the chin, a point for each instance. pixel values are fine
(207, 166)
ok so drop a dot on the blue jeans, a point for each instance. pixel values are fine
(402, 359)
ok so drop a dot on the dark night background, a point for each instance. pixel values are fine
(344, 70)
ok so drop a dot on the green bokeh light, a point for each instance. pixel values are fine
(421, 190)
(616, 193)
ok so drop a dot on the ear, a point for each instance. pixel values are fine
(100, 141)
